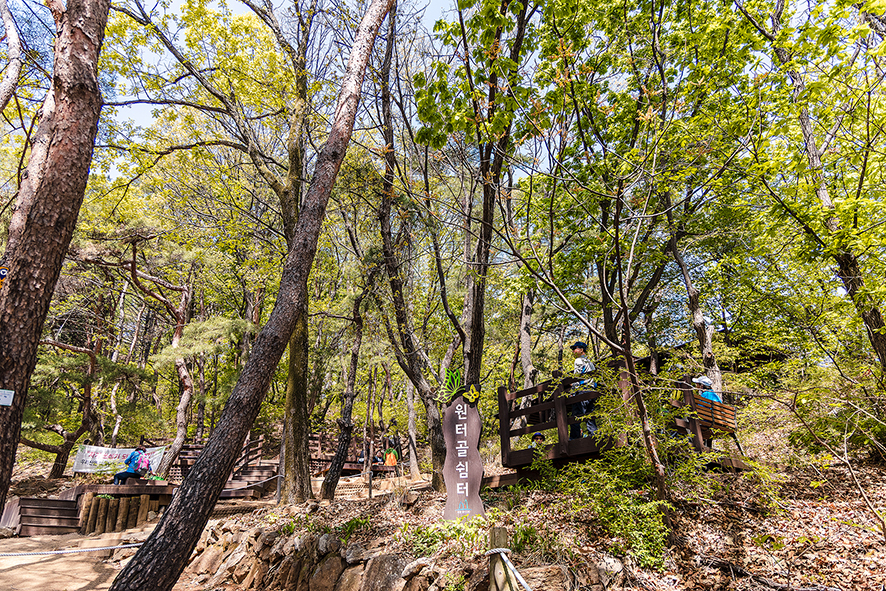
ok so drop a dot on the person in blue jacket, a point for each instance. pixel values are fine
(131, 466)
(706, 386)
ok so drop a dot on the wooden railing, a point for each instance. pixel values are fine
(549, 407)
(707, 419)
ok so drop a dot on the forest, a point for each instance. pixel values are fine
(223, 218)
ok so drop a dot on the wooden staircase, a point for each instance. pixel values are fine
(250, 482)
(48, 516)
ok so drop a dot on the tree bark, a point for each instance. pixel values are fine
(529, 370)
(703, 331)
(159, 562)
(35, 260)
(14, 53)
(414, 468)
(296, 484)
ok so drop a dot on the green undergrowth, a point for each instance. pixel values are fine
(305, 523)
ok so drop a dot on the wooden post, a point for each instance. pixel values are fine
(85, 506)
(154, 506)
(694, 427)
(504, 427)
(111, 524)
(562, 418)
(122, 514)
(102, 518)
(133, 512)
(500, 576)
(144, 506)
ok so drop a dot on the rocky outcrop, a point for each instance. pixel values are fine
(265, 559)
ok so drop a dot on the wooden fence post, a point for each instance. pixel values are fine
(132, 520)
(85, 507)
(500, 576)
(122, 514)
(143, 508)
(113, 505)
(93, 515)
(101, 520)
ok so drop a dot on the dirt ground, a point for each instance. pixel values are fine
(84, 571)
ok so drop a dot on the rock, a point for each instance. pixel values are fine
(350, 579)
(383, 572)
(6, 532)
(414, 567)
(353, 553)
(122, 553)
(209, 561)
(256, 575)
(548, 577)
(266, 544)
(478, 581)
(278, 550)
(152, 515)
(610, 570)
(328, 543)
(327, 573)
(422, 583)
(229, 567)
(277, 578)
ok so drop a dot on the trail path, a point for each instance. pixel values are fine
(83, 571)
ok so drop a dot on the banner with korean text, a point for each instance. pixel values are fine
(108, 460)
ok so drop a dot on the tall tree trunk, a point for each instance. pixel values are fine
(345, 424)
(529, 370)
(14, 53)
(296, 420)
(159, 562)
(59, 184)
(414, 469)
(703, 330)
(296, 457)
(624, 268)
(413, 360)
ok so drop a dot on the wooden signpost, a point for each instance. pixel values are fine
(463, 470)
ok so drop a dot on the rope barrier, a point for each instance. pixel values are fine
(77, 551)
(503, 552)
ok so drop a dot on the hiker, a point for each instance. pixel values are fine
(706, 386)
(137, 465)
(538, 441)
(583, 366)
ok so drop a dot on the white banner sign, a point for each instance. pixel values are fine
(109, 460)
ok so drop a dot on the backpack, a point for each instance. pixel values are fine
(143, 465)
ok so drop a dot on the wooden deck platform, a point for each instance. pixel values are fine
(549, 405)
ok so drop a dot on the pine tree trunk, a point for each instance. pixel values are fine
(59, 184)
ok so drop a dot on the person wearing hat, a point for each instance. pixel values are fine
(706, 386)
(538, 440)
(583, 366)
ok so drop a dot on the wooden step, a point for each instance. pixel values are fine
(43, 530)
(39, 502)
(240, 493)
(50, 511)
(39, 520)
